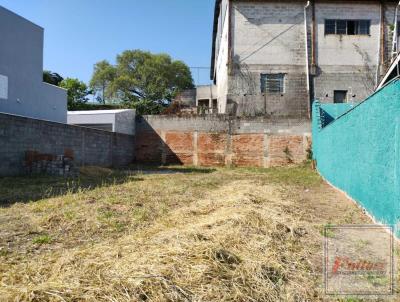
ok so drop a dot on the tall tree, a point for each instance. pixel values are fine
(77, 92)
(144, 81)
(52, 78)
(104, 73)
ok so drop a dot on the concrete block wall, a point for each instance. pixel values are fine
(90, 147)
(268, 37)
(221, 140)
(347, 62)
(358, 152)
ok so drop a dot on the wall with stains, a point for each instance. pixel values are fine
(221, 140)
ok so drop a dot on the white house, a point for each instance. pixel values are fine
(22, 90)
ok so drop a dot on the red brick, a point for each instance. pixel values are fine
(148, 147)
(211, 142)
(211, 149)
(248, 150)
(278, 145)
(179, 147)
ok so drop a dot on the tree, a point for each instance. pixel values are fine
(104, 73)
(77, 92)
(52, 78)
(144, 81)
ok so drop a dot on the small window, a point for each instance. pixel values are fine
(347, 27)
(273, 83)
(339, 96)
(352, 27)
(330, 27)
(364, 27)
(341, 27)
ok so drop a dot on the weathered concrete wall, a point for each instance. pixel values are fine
(90, 147)
(220, 140)
(125, 122)
(347, 62)
(358, 152)
(269, 37)
(221, 58)
(21, 61)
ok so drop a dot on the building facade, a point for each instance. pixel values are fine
(22, 90)
(120, 120)
(275, 57)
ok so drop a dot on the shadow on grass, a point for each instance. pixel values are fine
(148, 169)
(37, 187)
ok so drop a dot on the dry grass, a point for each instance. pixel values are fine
(206, 235)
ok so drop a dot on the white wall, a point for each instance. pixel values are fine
(347, 62)
(122, 121)
(222, 57)
(340, 50)
(21, 61)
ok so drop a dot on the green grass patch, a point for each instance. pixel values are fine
(301, 175)
(42, 239)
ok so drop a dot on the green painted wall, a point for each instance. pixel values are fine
(358, 151)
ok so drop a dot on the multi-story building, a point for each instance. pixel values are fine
(22, 90)
(275, 57)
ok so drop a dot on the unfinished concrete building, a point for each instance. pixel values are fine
(275, 57)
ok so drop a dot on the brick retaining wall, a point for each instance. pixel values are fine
(220, 140)
(90, 147)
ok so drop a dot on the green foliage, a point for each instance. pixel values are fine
(52, 78)
(96, 106)
(141, 80)
(43, 239)
(77, 92)
(327, 231)
(104, 73)
(301, 175)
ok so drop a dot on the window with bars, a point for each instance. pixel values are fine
(273, 83)
(347, 27)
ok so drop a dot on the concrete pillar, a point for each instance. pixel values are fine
(228, 150)
(195, 148)
(266, 160)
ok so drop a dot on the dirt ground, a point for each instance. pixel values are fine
(169, 234)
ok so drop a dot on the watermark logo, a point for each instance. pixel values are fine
(359, 260)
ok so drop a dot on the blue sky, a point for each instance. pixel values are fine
(79, 33)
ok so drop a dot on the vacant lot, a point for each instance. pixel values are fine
(199, 235)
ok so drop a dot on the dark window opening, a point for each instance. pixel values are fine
(214, 104)
(351, 27)
(273, 83)
(347, 27)
(330, 27)
(203, 103)
(339, 96)
(341, 27)
(364, 27)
